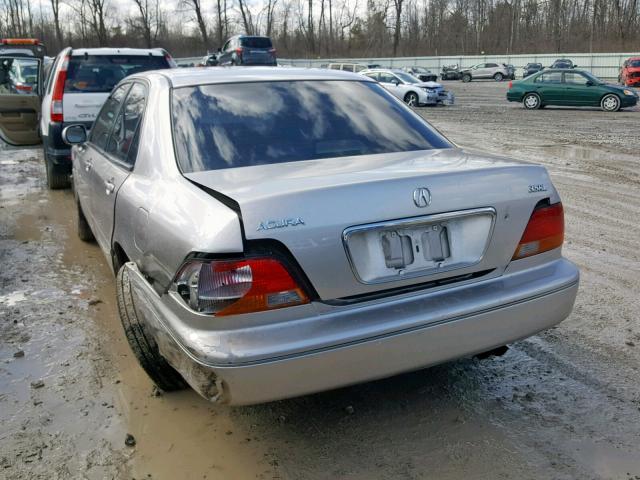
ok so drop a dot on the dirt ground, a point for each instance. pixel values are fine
(562, 405)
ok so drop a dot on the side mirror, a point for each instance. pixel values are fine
(74, 135)
(589, 83)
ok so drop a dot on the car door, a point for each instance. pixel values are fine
(114, 166)
(578, 92)
(550, 88)
(88, 159)
(20, 93)
(480, 71)
(390, 82)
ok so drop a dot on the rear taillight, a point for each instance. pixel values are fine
(510, 85)
(172, 63)
(272, 51)
(230, 287)
(58, 92)
(544, 232)
(239, 51)
(22, 87)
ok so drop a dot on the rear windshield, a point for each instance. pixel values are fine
(100, 73)
(256, 42)
(245, 124)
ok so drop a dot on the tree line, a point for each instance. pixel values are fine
(333, 28)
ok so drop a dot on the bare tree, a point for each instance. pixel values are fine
(195, 7)
(149, 20)
(55, 7)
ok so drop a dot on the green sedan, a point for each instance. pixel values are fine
(573, 88)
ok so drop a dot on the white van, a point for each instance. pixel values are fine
(77, 85)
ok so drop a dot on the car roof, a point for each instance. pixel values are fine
(392, 70)
(117, 51)
(184, 77)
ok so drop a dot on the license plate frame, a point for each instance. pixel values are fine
(368, 261)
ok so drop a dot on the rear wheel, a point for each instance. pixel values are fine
(56, 178)
(141, 342)
(610, 103)
(84, 230)
(411, 99)
(531, 101)
(498, 77)
(466, 78)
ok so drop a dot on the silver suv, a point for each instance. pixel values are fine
(497, 71)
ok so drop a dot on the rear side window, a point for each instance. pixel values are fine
(550, 77)
(123, 142)
(255, 42)
(245, 124)
(107, 117)
(100, 73)
(334, 66)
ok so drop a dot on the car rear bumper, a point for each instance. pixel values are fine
(259, 364)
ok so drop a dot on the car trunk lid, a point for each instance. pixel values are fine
(338, 217)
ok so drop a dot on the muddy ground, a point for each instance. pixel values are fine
(562, 405)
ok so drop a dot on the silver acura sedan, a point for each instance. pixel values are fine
(277, 232)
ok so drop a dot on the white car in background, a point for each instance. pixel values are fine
(410, 89)
(78, 83)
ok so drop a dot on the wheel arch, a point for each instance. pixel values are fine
(118, 257)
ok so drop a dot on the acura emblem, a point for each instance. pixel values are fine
(422, 197)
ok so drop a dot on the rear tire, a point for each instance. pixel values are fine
(56, 179)
(84, 230)
(498, 77)
(141, 342)
(531, 101)
(466, 78)
(610, 103)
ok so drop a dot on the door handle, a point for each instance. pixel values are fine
(87, 165)
(109, 186)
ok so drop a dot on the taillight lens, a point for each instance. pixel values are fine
(544, 232)
(230, 287)
(239, 51)
(58, 92)
(172, 63)
(510, 85)
(272, 51)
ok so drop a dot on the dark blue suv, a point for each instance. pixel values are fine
(248, 50)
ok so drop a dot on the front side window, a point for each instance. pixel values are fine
(372, 75)
(334, 66)
(245, 124)
(575, 78)
(107, 117)
(100, 73)
(407, 77)
(123, 143)
(387, 78)
(19, 76)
